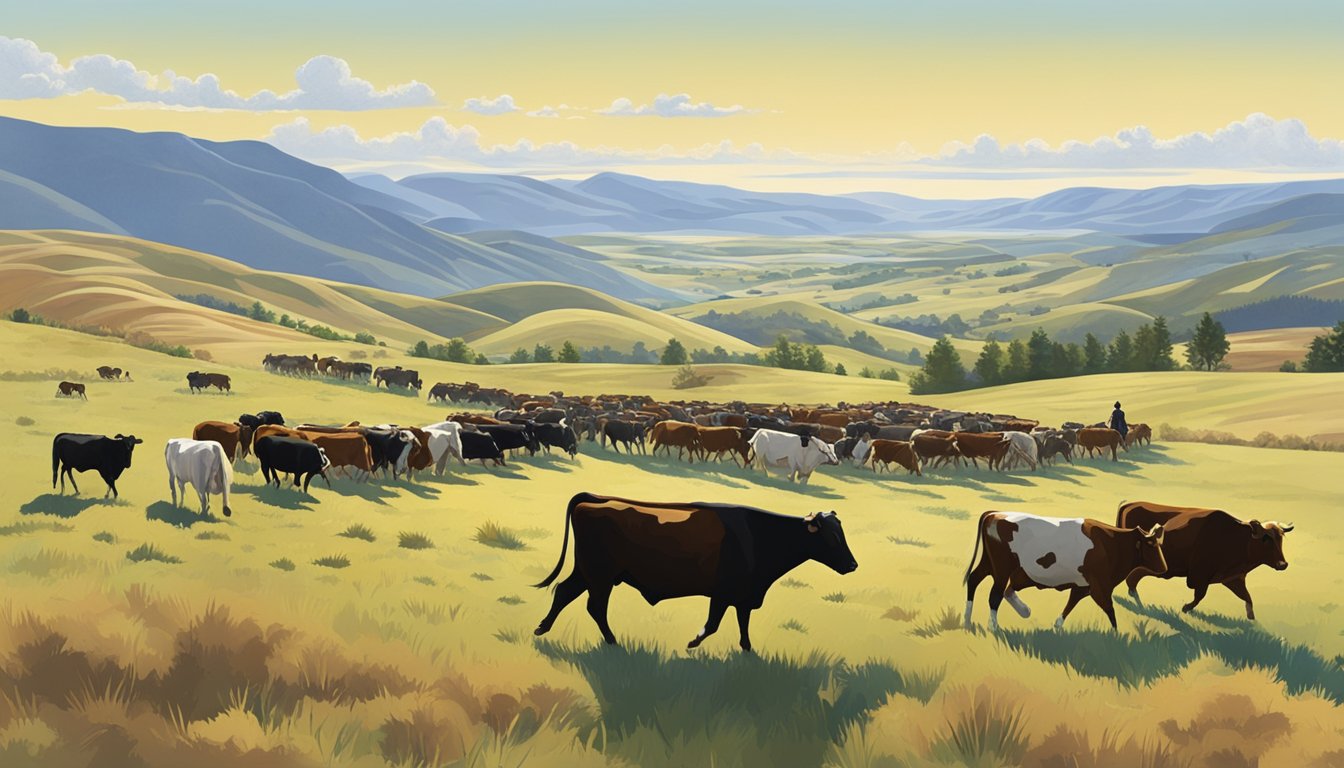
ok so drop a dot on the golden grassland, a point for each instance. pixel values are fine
(390, 623)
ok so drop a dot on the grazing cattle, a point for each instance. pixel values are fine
(1052, 445)
(800, 455)
(391, 448)
(675, 434)
(69, 389)
(888, 451)
(474, 418)
(445, 441)
(1139, 434)
(71, 453)
(1086, 557)
(627, 433)
(344, 451)
(840, 420)
(275, 430)
(292, 365)
(113, 374)
(1098, 439)
(724, 440)
(204, 464)
(1022, 450)
(255, 420)
(1207, 547)
(990, 446)
(290, 455)
(402, 377)
(478, 445)
(235, 439)
(861, 428)
(439, 392)
(560, 436)
(937, 448)
(420, 456)
(198, 381)
(730, 554)
(512, 437)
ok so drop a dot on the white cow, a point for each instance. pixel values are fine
(202, 463)
(782, 449)
(861, 448)
(445, 440)
(1022, 450)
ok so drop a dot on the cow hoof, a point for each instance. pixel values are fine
(1187, 608)
(541, 630)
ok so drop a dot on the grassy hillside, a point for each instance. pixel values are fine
(299, 626)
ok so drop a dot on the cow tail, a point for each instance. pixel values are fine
(55, 461)
(975, 551)
(578, 499)
(1120, 515)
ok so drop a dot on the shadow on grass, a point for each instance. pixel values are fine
(761, 710)
(285, 497)
(59, 505)
(179, 517)
(1148, 654)
(723, 473)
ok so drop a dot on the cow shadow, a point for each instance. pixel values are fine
(664, 466)
(211, 391)
(285, 497)
(246, 469)
(449, 477)
(178, 516)
(415, 489)
(1156, 454)
(369, 490)
(556, 462)
(60, 505)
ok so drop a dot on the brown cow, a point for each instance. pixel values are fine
(898, 451)
(421, 457)
(833, 419)
(1099, 439)
(346, 450)
(728, 553)
(112, 374)
(231, 437)
(1086, 557)
(675, 434)
(1207, 546)
(1139, 434)
(930, 446)
(275, 430)
(721, 440)
(474, 418)
(990, 446)
(69, 389)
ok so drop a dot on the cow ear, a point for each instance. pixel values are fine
(1257, 530)
(812, 528)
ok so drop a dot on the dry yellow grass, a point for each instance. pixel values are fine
(248, 652)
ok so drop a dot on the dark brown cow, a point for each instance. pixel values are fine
(197, 381)
(231, 437)
(112, 374)
(888, 451)
(990, 446)
(1086, 557)
(346, 450)
(473, 418)
(833, 420)
(1098, 439)
(675, 434)
(938, 448)
(69, 389)
(724, 440)
(1207, 546)
(421, 457)
(728, 553)
(439, 392)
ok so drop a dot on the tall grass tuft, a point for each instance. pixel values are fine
(946, 621)
(284, 564)
(333, 561)
(413, 540)
(146, 552)
(358, 531)
(493, 535)
(990, 732)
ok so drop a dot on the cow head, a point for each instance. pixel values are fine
(128, 443)
(827, 450)
(827, 545)
(1265, 546)
(1149, 545)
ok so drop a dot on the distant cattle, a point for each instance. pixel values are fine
(1207, 547)
(1098, 439)
(1086, 557)
(728, 553)
(198, 381)
(886, 452)
(70, 389)
(675, 434)
(301, 458)
(255, 420)
(112, 374)
(204, 464)
(439, 392)
(401, 377)
(110, 456)
(799, 455)
(235, 439)
(293, 365)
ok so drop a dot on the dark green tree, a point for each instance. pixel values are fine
(1209, 345)
(1039, 355)
(421, 349)
(840, 370)
(1094, 355)
(1120, 356)
(989, 366)
(1015, 369)
(569, 353)
(520, 355)
(674, 354)
(814, 359)
(1326, 353)
(543, 353)
(942, 371)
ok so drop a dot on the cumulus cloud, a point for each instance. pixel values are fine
(500, 105)
(1259, 141)
(322, 82)
(679, 105)
(555, 112)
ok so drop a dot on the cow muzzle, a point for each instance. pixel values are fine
(1282, 565)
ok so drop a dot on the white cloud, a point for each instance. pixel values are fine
(1257, 142)
(555, 112)
(679, 105)
(323, 82)
(500, 105)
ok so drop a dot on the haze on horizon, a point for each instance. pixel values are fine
(966, 99)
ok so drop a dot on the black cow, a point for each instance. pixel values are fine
(387, 446)
(71, 453)
(627, 433)
(255, 420)
(560, 436)
(512, 437)
(728, 553)
(478, 445)
(291, 455)
(861, 428)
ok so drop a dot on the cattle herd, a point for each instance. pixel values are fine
(730, 554)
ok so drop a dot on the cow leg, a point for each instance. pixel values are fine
(172, 487)
(566, 592)
(743, 627)
(597, 608)
(1075, 595)
(1200, 591)
(1238, 587)
(69, 472)
(1132, 581)
(995, 600)
(1102, 597)
(717, 607)
(978, 574)
(111, 487)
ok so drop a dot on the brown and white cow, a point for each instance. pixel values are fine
(1099, 439)
(1086, 557)
(231, 437)
(1208, 546)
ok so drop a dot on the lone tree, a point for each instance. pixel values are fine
(543, 353)
(569, 353)
(674, 353)
(1209, 345)
(840, 370)
(942, 371)
(1327, 352)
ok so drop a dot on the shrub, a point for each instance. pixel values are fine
(105, 536)
(146, 552)
(203, 354)
(411, 540)
(333, 561)
(20, 315)
(1288, 366)
(212, 536)
(358, 531)
(687, 378)
(284, 564)
(24, 421)
(493, 535)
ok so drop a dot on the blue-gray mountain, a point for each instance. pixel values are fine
(250, 202)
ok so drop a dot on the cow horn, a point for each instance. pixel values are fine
(1287, 527)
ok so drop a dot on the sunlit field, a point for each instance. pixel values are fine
(390, 623)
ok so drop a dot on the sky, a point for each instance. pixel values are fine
(960, 98)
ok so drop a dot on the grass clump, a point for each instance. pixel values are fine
(426, 580)
(493, 535)
(24, 421)
(212, 536)
(105, 536)
(793, 583)
(482, 576)
(284, 564)
(333, 561)
(834, 597)
(148, 552)
(990, 732)
(903, 541)
(413, 540)
(946, 621)
(793, 625)
(511, 600)
(358, 531)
